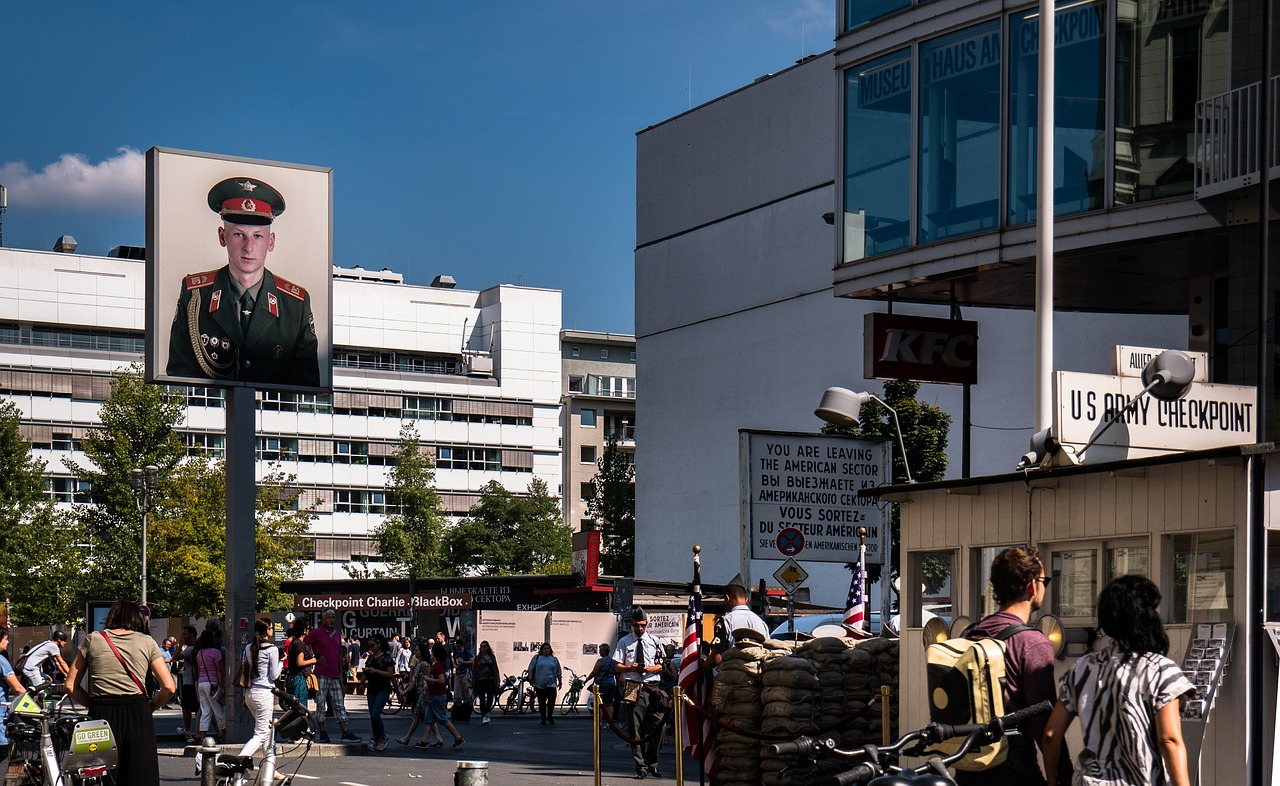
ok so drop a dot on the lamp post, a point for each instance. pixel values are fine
(842, 407)
(144, 482)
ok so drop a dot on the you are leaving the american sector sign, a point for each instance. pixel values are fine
(1209, 416)
(804, 496)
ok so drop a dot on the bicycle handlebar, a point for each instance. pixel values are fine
(288, 700)
(936, 732)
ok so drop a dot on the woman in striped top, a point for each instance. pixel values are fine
(1128, 696)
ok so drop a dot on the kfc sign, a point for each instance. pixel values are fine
(921, 348)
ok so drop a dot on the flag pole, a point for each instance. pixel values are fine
(862, 576)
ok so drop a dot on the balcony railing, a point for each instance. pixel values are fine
(1227, 153)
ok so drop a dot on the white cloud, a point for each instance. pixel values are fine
(115, 185)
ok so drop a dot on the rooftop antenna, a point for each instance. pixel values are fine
(4, 204)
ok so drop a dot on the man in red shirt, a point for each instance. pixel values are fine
(1018, 583)
(326, 642)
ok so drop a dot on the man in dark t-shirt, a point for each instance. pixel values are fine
(1018, 582)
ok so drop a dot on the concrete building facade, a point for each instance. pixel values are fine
(599, 403)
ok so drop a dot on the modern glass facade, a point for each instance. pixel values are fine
(940, 137)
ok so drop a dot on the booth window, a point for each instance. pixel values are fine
(933, 574)
(1203, 577)
(1075, 582)
(984, 556)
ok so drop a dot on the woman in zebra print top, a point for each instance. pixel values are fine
(1128, 696)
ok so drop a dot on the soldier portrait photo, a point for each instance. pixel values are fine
(240, 322)
(239, 289)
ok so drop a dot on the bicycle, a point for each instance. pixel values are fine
(229, 770)
(58, 747)
(571, 696)
(515, 695)
(881, 769)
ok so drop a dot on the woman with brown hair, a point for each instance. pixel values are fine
(263, 661)
(113, 663)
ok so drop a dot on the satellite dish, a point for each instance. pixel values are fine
(935, 631)
(1051, 627)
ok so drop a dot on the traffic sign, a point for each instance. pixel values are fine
(791, 575)
(790, 542)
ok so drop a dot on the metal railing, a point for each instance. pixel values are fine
(1226, 144)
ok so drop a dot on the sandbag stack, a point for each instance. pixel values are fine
(736, 700)
(792, 699)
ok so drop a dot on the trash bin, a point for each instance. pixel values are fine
(471, 773)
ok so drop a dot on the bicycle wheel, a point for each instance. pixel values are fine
(570, 703)
(509, 700)
(394, 703)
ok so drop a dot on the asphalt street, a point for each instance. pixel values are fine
(517, 748)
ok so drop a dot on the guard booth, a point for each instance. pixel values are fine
(1183, 519)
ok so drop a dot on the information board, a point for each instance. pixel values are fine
(804, 497)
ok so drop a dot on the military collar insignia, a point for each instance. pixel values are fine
(215, 300)
(273, 305)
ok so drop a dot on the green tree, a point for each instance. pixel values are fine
(187, 543)
(506, 534)
(410, 540)
(924, 430)
(612, 502)
(139, 427)
(39, 542)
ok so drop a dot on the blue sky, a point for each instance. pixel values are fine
(490, 140)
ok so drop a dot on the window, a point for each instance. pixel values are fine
(489, 459)
(1168, 57)
(208, 445)
(877, 157)
(575, 384)
(633, 356)
(361, 501)
(203, 396)
(1080, 96)
(411, 362)
(615, 387)
(341, 549)
(428, 408)
(588, 454)
(604, 354)
(587, 418)
(351, 452)
(858, 12)
(935, 571)
(586, 525)
(987, 603)
(1203, 577)
(959, 147)
(586, 492)
(277, 448)
(1075, 582)
(67, 489)
(64, 441)
(575, 352)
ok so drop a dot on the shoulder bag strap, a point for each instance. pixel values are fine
(120, 658)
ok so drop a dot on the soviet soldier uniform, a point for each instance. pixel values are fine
(241, 322)
(207, 340)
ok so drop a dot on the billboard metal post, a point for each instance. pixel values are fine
(241, 552)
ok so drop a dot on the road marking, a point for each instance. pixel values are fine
(307, 777)
(351, 783)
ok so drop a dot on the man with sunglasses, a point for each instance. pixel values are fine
(639, 658)
(1018, 583)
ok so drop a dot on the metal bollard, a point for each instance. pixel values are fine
(208, 755)
(471, 773)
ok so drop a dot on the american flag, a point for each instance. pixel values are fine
(855, 615)
(698, 732)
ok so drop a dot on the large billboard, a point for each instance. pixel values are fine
(804, 496)
(239, 272)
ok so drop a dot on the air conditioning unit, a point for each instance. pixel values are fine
(479, 366)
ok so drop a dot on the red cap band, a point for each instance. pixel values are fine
(245, 206)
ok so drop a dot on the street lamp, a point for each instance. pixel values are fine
(842, 407)
(144, 482)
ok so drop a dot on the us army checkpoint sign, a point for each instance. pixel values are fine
(803, 496)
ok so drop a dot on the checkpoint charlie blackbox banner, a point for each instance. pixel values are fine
(803, 496)
(239, 272)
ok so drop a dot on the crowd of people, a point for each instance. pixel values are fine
(1126, 693)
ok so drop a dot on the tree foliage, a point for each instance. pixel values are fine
(505, 534)
(139, 427)
(38, 542)
(410, 540)
(924, 430)
(612, 502)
